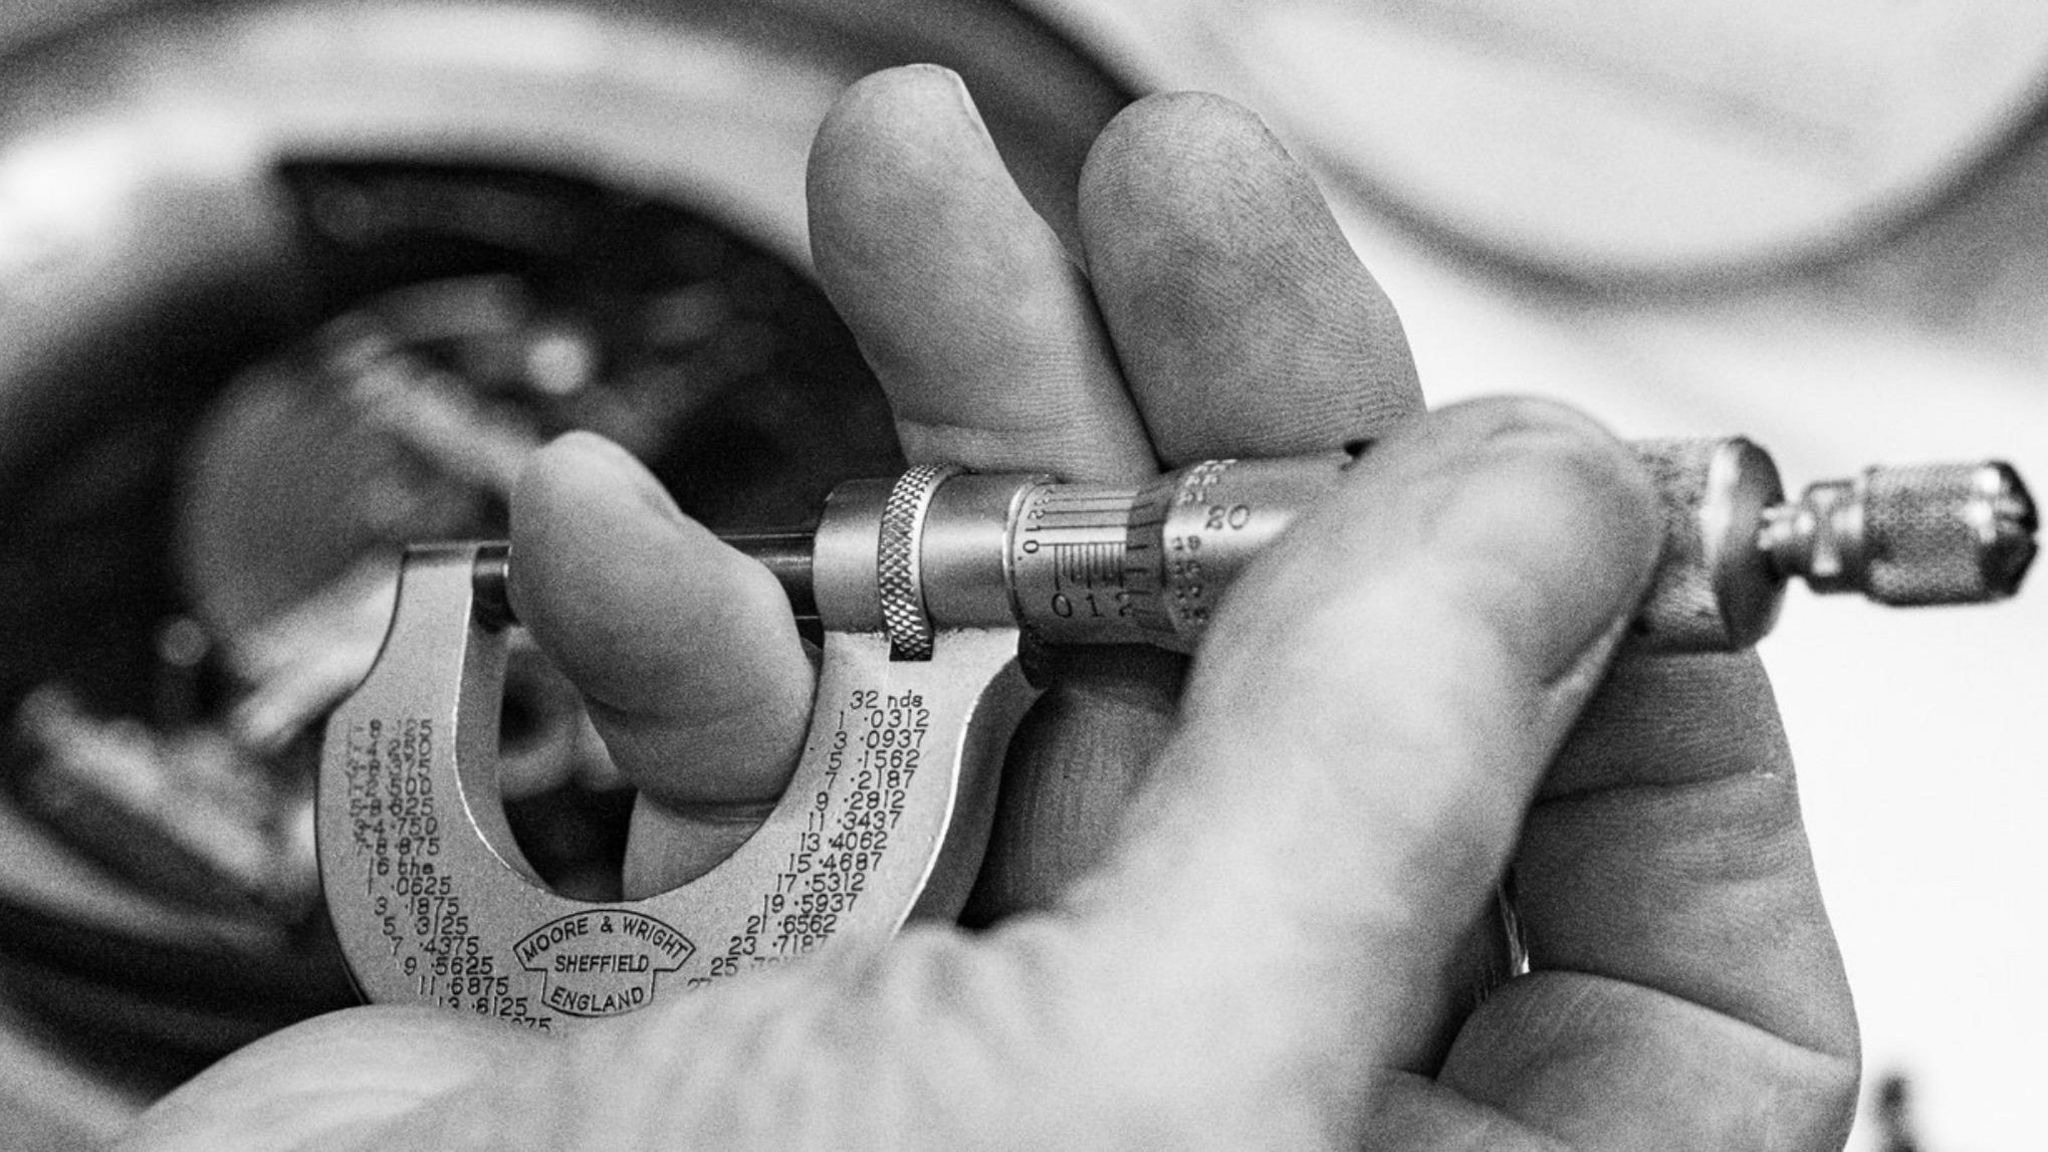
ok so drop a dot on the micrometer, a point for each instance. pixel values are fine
(924, 587)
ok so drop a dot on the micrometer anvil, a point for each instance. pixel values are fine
(924, 587)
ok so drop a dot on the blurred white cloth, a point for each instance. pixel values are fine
(1612, 135)
(1922, 754)
(1762, 133)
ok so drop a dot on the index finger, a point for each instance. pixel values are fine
(978, 325)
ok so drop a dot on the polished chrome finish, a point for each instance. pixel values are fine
(968, 579)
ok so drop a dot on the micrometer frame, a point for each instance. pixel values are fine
(884, 819)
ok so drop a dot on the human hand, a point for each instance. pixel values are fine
(1302, 842)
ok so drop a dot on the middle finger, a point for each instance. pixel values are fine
(1245, 324)
(980, 328)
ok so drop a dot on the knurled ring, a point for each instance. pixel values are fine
(900, 576)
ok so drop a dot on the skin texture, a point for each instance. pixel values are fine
(1221, 911)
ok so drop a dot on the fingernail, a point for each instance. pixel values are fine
(967, 103)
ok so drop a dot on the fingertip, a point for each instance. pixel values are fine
(1522, 517)
(884, 98)
(1560, 509)
(1244, 321)
(1449, 609)
(685, 649)
(963, 299)
(892, 136)
(1157, 142)
(583, 512)
(581, 460)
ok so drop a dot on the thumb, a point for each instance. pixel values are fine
(685, 651)
(1364, 727)
(325, 1082)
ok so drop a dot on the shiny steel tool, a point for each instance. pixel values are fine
(924, 587)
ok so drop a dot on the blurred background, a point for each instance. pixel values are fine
(286, 284)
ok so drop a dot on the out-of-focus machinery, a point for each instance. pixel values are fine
(286, 285)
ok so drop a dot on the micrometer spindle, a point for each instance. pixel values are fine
(1107, 564)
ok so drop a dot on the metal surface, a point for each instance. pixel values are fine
(1094, 564)
(1091, 564)
(1934, 534)
(1714, 588)
(434, 902)
(923, 587)
(898, 563)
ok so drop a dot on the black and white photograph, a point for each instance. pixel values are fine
(782, 575)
